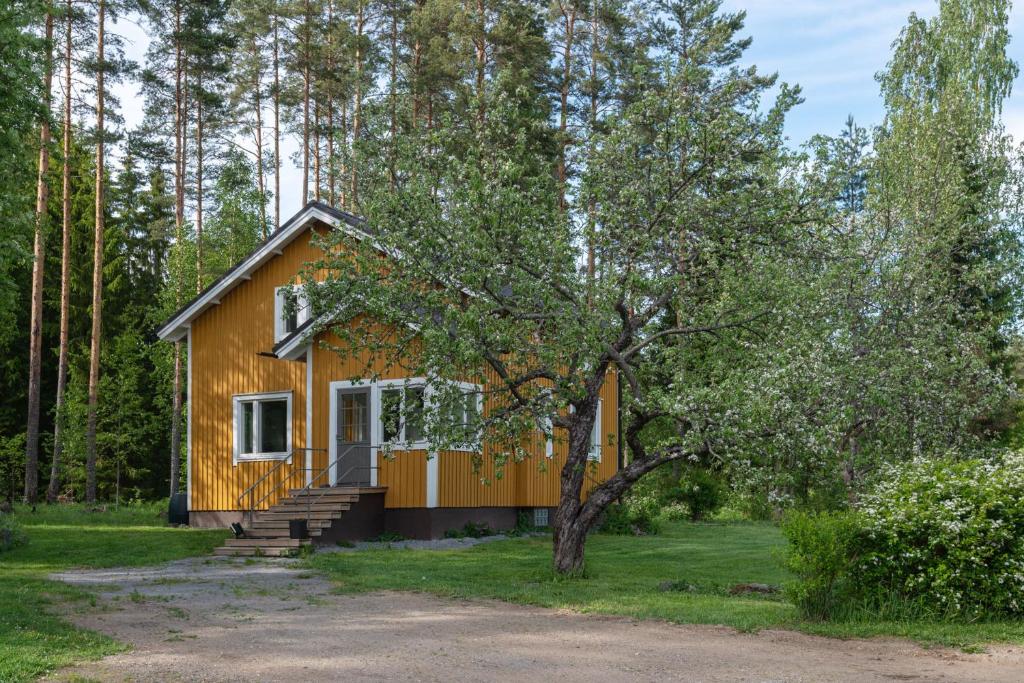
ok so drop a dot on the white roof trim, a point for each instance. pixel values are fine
(176, 328)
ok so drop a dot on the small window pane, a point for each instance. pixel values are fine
(414, 408)
(472, 414)
(391, 414)
(247, 426)
(273, 426)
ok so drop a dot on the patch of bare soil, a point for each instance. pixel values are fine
(229, 620)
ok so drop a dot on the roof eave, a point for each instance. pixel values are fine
(176, 328)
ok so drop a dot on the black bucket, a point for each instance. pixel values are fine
(297, 529)
(177, 510)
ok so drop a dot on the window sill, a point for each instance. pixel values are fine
(262, 457)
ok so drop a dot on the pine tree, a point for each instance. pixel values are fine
(39, 260)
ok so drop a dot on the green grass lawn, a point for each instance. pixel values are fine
(629, 575)
(33, 640)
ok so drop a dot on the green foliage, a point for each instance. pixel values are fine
(701, 491)
(936, 537)
(470, 530)
(632, 517)
(948, 533)
(11, 533)
(822, 554)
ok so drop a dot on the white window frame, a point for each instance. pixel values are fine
(280, 307)
(376, 398)
(595, 434)
(257, 399)
(596, 443)
(469, 388)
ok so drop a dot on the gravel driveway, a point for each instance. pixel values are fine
(229, 620)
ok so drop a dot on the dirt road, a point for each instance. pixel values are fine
(225, 620)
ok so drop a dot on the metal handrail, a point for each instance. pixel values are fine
(250, 492)
(305, 490)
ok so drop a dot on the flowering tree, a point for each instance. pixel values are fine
(685, 203)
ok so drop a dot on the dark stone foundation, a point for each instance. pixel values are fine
(369, 519)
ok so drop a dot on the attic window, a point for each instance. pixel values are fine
(291, 310)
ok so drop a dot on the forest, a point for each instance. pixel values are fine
(796, 316)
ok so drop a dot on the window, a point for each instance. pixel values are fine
(291, 309)
(263, 426)
(401, 414)
(462, 415)
(596, 437)
(596, 440)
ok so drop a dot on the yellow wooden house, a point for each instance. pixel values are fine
(277, 421)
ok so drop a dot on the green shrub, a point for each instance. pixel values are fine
(949, 534)
(627, 519)
(11, 533)
(941, 538)
(702, 492)
(823, 553)
(470, 530)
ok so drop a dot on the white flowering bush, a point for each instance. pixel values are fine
(947, 534)
(937, 537)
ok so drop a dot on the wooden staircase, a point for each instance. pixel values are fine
(267, 534)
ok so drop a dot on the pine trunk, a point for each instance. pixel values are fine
(277, 124)
(393, 99)
(357, 110)
(179, 236)
(305, 106)
(569, 17)
(176, 414)
(35, 362)
(97, 268)
(53, 490)
(199, 186)
(258, 106)
(317, 177)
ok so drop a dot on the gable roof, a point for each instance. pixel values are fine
(177, 325)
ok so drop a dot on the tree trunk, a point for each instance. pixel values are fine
(357, 111)
(591, 202)
(569, 17)
(97, 269)
(35, 363)
(570, 524)
(330, 104)
(480, 45)
(199, 185)
(176, 414)
(305, 107)
(277, 124)
(180, 126)
(258, 105)
(53, 490)
(317, 176)
(417, 61)
(393, 99)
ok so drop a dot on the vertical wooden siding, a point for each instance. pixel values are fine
(225, 342)
(405, 474)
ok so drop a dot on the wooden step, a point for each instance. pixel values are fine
(301, 509)
(303, 501)
(264, 532)
(263, 542)
(286, 516)
(255, 551)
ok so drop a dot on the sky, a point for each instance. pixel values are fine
(831, 49)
